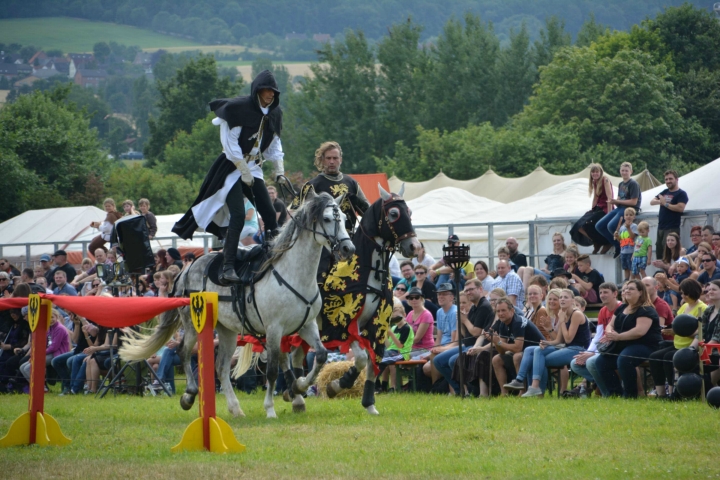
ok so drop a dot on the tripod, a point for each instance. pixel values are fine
(116, 384)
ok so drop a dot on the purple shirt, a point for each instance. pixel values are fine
(58, 340)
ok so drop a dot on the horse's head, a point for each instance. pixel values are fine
(328, 223)
(392, 222)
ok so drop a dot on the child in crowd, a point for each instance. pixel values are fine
(626, 236)
(399, 345)
(643, 251)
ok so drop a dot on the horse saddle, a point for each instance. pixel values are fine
(248, 263)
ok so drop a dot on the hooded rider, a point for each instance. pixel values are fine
(250, 128)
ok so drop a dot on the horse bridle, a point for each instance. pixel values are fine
(397, 238)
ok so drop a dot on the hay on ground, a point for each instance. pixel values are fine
(335, 370)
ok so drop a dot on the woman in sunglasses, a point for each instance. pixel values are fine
(400, 291)
(424, 284)
(421, 321)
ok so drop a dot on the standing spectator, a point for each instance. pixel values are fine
(710, 270)
(587, 279)
(643, 251)
(61, 264)
(672, 203)
(46, 265)
(628, 196)
(626, 239)
(707, 233)
(635, 333)
(150, 220)
(482, 273)
(671, 253)
(516, 257)
(129, 208)
(695, 238)
(6, 267)
(510, 283)
(423, 257)
(584, 232)
(61, 285)
(105, 227)
(279, 206)
(424, 284)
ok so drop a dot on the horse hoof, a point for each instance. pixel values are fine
(333, 388)
(271, 413)
(286, 396)
(296, 388)
(372, 410)
(299, 408)
(187, 401)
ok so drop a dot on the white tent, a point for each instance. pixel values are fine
(49, 226)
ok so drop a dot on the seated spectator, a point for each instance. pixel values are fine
(570, 255)
(503, 253)
(510, 282)
(62, 287)
(98, 358)
(161, 261)
(105, 227)
(188, 259)
(587, 279)
(42, 282)
(15, 336)
(478, 317)
(423, 258)
(561, 279)
(716, 243)
(174, 270)
(583, 231)
(695, 238)
(164, 281)
(170, 359)
(671, 253)
(6, 267)
(81, 336)
(626, 234)
(441, 273)
(661, 365)
(446, 330)
(710, 270)
(574, 332)
(129, 208)
(251, 227)
(60, 261)
(516, 257)
(407, 270)
(711, 328)
(398, 347)
(87, 276)
(58, 343)
(583, 362)
(424, 284)
(629, 195)
(552, 261)
(421, 321)
(633, 334)
(150, 219)
(671, 285)
(482, 273)
(6, 288)
(173, 257)
(665, 314)
(511, 335)
(536, 312)
(400, 291)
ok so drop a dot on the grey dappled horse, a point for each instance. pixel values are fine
(295, 256)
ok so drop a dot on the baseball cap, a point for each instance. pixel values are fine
(416, 292)
(445, 287)
(45, 257)
(59, 252)
(453, 238)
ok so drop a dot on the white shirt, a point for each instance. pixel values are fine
(229, 140)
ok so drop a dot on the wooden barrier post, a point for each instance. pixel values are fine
(208, 432)
(36, 426)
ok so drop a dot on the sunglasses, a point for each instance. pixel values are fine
(420, 273)
(401, 289)
(413, 298)
(707, 260)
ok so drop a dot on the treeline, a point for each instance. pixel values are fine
(230, 21)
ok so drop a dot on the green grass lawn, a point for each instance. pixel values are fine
(72, 35)
(415, 436)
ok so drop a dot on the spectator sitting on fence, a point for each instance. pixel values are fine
(150, 219)
(58, 342)
(695, 238)
(536, 312)
(446, 327)
(129, 208)
(424, 284)
(482, 273)
(629, 195)
(62, 287)
(583, 232)
(61, 264)
(398, 347)
(671, 253)
(582, 363)
(105, 227)
(478, 317)
(510, 335)
(553, 261)
(635, 333)
(516, 257)
(587, 279)
(574, 333)
(510, 282)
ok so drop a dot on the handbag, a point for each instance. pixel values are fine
(611, 346)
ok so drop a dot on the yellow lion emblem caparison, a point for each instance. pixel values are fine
(341, 310)
(340, 272)
(338, 189)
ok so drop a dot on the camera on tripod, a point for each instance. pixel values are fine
(131, 238)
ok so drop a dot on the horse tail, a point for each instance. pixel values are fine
(137, 346)
(246, 361)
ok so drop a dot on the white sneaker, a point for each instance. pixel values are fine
(532, 392)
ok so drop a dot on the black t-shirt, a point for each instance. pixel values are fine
(625, 322)
(593, 276)
(519, 327)
(67, 268)
(279, 207)
(668, 219)
(429, 290)
(628, 190)
(481, 316)
(519, 259)
(554, 261)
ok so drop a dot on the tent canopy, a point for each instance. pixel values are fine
(506, 190)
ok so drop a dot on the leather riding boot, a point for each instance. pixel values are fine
(230, 247)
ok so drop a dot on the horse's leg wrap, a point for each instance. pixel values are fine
(368, 397)
(348, 380)
(320, 357)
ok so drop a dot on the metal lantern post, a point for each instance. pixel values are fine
(455, 256)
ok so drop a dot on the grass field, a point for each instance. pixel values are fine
(416, 436)
(72, 35)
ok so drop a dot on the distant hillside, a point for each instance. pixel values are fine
(231, 21)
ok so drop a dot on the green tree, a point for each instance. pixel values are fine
(191, 154)
(590, 32)
(517, 73)
(101, 50)
(183, 100)
(552, 38)
(168, 193)
(282, 76)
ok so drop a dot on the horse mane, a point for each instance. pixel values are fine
(309, 211)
